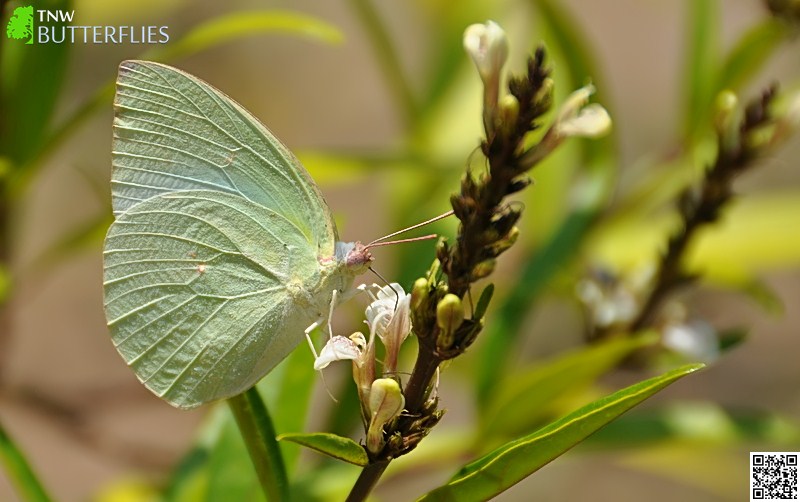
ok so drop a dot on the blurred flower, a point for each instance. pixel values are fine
(611, 300)
(576, 119)
(695, 340)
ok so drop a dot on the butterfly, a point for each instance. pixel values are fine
(223, 250)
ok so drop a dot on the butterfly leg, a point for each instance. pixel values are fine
(334, 297)
(308, 336)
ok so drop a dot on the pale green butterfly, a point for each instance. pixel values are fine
(223, 250)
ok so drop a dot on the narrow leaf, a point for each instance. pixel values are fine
(751, 53)
(338, 447)
(228, 473)
(483, 301)
(237, 25)
(702, 56)
(502, 334)
(566, 35)
(526, 398)
(258, 432)
(19, 472)
(27, 97)
(514, 461)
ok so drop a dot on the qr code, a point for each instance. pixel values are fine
(773, 476)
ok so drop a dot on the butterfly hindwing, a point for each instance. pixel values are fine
(195, 292)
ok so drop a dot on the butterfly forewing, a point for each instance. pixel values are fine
(172, 131)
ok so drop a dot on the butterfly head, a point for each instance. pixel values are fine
(355, 256)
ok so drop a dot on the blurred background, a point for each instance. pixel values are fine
(386, 124)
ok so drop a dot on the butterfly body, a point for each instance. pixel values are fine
(223, 250)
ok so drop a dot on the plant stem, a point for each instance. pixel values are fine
(258, 432)
(367, 480)
(417, 386)
(19, 471)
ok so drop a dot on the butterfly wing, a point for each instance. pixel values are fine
(212, 263)
(195, 293)
(172, 131)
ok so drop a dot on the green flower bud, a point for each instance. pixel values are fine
(508, 111)
(386, 401)
(449, 316)
(419, 293)
(544, 97)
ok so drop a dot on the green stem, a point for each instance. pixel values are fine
(19, 471)
(259, 435)
(387, 57)
(367, 480)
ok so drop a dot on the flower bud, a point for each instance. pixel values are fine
(484, 269)
(386, 401)
(543, 98)
(488, 46)
(727, 118)
(508, 111)
(419, 293)
(449, 316)
(503, 244)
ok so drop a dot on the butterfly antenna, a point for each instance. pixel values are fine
(396, 293)
(379, 241)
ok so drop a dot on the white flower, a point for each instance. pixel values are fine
(340, 348)
(695, 340)
(576, 119)
(487, 44)
(389, 317)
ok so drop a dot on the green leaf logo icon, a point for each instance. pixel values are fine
(20, 26)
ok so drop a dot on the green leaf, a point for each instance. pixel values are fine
(338, 447)
(502, 334)
(514, 461)
(19, 471)
(566, 36)
(30, 82)
(255, 426)
(483, 301)
(231, 472)
(702, 56)
(524, 399)
(237, 25)
(5, 284)
(220, 443)
(751, 53)
(287, 390)
(695, 422)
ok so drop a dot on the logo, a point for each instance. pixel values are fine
(55, 27)
(20, 26)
